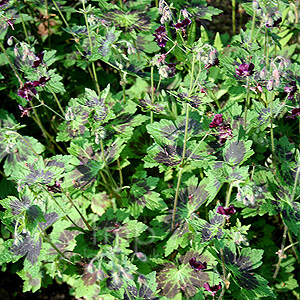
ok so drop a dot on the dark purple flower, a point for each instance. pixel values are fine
(172, 69)
(197, 265)
(224, 133)
(183, 24)
(41, 82)
(226, 211)
(3, 2)
(245, 69)
(38, 60)
(217, 120)
(24, 111)
(291, 89)
(27, 91)
(161, 36)
(295, 112)
(213, 289)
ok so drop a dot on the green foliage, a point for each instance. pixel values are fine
(147, 154)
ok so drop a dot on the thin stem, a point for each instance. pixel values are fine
(81, 215)
(253, 24)
(120, 173)
(281, 252)
(60, 207)
(229, 194)
(233, 17)
(152, 94)
(56, 99)
(47, 237)
(224, 273)
(272, 129)
(247, 101)
(91, 45)
(43, 103)
(292, 245)
(176, 198)
(23, 23)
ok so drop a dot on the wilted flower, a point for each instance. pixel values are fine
(226, 211)
(270, 84)
(217, 120)
(24, 111)
(27, 91)
(291, 89)
(295, 112)
(197, 265)
(245, 69)
(185, 13)
(213, 59)
(213, 289)
(161, 36)
(38, 60)
(172, 69)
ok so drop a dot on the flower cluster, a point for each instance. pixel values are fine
(27, 91)
(182, 25)
(224, 130)
(197, 265)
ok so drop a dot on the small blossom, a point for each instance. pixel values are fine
(197, 265)
(270, 84)
(295, 112)
(38, 60)
(225, 132)
(185, 13)
(245, 69)
(24, 111)
(161, 36)
(41, 82)
(27, 91)
(291, 89)
(183, 24)
(217, 120)
(212, 289)
(226, 211)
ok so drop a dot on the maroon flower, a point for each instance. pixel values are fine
(38, 60)
(245, 69)
(226, 211)
(161, 36)
(295, 112)
(183, 24)
(27, 91)
(24, 111)
(224, 133)
(291, 89)
(213, 289)
(217, 120)
(197, 265)
(41, 82)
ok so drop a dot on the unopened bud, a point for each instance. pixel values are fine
(270, 84)
(10, 41)
(263, 73)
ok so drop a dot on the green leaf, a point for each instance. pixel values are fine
(236, 152)
(174, 280)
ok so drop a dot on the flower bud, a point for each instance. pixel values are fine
(263, 73)
(270, 84)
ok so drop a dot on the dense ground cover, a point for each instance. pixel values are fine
(150, 150)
